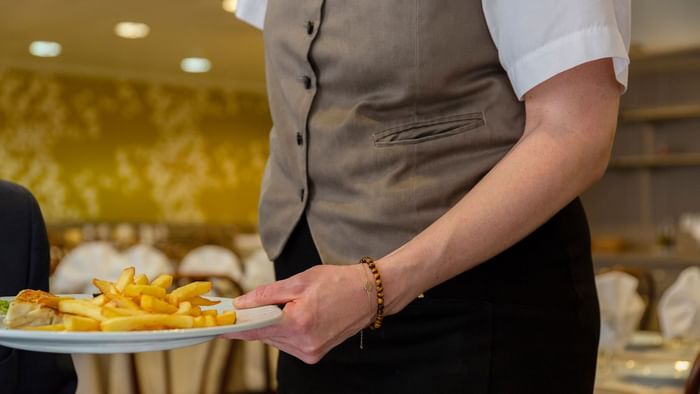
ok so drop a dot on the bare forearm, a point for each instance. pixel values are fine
(570, 124)
(542, 173)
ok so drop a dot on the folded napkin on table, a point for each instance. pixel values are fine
(621, 308)
(679, 307)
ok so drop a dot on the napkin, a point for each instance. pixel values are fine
(212, 260)
(621, 308)
(679, 307)
(690, 222)
(259, 270)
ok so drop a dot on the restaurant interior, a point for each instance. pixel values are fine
(141, 127)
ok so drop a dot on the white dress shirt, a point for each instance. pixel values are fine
(537, 39)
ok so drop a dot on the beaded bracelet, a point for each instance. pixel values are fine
(377, 323)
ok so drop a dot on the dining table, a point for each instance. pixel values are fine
(649, 363)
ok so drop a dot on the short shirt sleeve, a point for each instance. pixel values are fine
(537, 39)
(252, 12)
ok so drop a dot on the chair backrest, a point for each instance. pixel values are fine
(212, 367)
(692, 384)
(89, 260)
(148, 260)
(211, 260)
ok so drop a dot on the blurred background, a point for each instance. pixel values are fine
(141, 127)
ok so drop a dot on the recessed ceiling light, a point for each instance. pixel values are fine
(45, 48)
(195, 65)
(229, 5)
(131, 30)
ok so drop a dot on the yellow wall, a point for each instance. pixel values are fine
(107, 150)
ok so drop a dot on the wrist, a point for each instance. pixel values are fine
(369, 289)
(400, 287)
(378, 285)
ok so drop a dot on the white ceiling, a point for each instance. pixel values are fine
(182, 28)
(179, 28)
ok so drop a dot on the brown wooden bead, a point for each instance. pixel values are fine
(377, 323)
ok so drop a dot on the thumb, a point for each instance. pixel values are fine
(275, 293)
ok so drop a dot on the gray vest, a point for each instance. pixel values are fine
(385, 114)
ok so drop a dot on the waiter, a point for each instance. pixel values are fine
(24, 263)
(448, 142)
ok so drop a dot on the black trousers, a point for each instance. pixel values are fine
(526, 321)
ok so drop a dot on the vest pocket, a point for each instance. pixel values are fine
(416, 132)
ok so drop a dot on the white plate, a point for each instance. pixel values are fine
(137, 341)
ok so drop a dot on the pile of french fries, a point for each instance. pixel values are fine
(132, 303)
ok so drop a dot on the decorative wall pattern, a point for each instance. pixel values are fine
(108, 150)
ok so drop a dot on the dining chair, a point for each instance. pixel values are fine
(692, 384)
(646, 288)
(202, 368)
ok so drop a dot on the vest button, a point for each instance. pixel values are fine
(307, 82)
(309, 28)
(300, 139)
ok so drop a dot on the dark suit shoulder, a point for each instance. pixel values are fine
(13, 192)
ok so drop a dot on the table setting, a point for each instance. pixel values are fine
(640, 362)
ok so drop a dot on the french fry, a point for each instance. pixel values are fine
(201, 301)
(172, 300)
(163, 281)
(141, 279)
(195, 311)
(199, 322)
(122, 301)
(104, 286)
(226, 318)
(110, 311)
(79, 323)
(152, 304)
(191, 290)
(209, 312)
(209, 321)
(100, 300)
(136, 290)
(81, 307)
(126, 278)
(52, 327)
(146, 322)
(183, 309)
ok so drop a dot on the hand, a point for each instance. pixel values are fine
(325, 305)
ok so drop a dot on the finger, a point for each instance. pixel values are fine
(281, 329)
(275, 293)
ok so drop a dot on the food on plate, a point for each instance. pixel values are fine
(128, 304)
(3, 307)
(33, 308)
